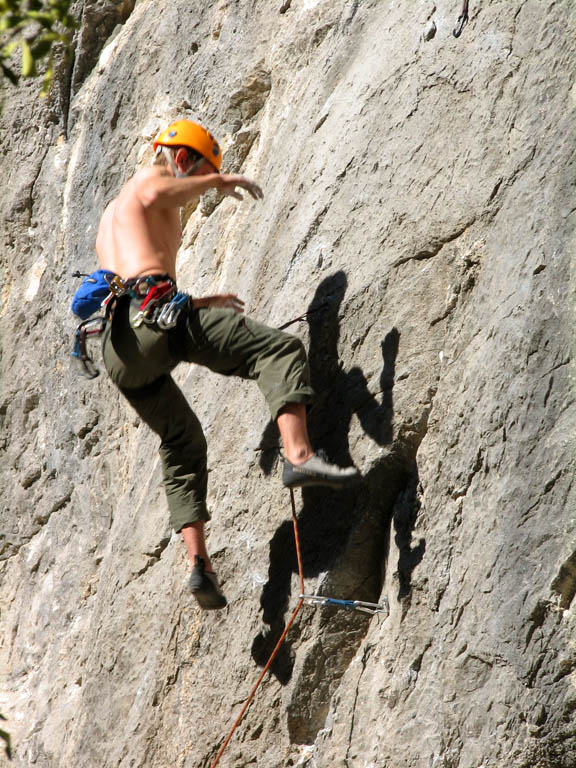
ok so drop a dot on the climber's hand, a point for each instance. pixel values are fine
(228, 183)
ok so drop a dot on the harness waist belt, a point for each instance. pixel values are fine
(139, 287)
(160, 300)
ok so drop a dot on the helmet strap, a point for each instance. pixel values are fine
(171, 162)
(175, 170)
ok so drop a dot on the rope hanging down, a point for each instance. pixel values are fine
(278, 644)
(358, 605)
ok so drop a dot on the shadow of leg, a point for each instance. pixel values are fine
(405, 514)
(274, 602)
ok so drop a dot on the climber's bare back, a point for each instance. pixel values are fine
(137, 239)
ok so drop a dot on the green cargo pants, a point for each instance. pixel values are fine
(140, 360)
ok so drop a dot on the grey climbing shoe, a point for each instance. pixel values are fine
(317, 471)
(205, 588)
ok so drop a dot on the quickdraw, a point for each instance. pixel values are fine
(169, 313)
(350, 605)
(92, 327)
(155, 295)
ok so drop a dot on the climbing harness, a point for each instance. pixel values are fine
(371, 608)
(161, 303)
(350, 605)
(462, 20)
(159, 297)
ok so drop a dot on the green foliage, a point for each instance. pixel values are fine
(34, 26)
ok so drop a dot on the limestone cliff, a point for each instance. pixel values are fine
(420, 188)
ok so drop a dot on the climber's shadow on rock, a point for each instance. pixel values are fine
(406, 511)
(327, 517)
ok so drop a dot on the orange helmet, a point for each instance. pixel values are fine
(185, 133)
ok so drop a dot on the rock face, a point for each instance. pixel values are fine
(420, 191)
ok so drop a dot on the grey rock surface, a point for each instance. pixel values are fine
(420, 191)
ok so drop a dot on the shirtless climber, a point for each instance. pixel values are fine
(154, 327)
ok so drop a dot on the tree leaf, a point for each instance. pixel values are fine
(9, 21)
(28, 63)
(47, 20)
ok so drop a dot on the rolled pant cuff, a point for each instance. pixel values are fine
(303, 396)
(193, 513)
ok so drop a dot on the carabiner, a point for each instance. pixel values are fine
(80, 352)
(170, 312)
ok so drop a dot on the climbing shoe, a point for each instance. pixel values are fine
(317, 471)
(205, 588)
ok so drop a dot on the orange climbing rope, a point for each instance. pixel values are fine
(278, 644)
